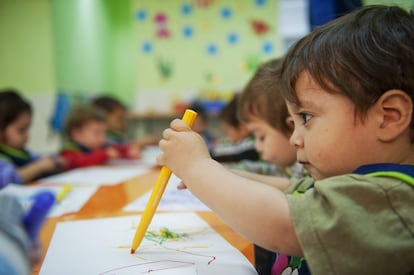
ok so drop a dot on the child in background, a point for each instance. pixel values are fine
(116, 114)
(200, 124)
(241, 146)
(263, 110)
(353, 131)
(15, 121)
(85, 130)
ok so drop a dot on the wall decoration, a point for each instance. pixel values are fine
(226, 13)
(187, 31)
(186, 9)
(259, 27)
(165, 69)
(212, 49)
(267, 47)
(233, 38)
(146, 47)
(260, 2)
(204, 3)
(160, 20)
(141, 15)
(182, 41)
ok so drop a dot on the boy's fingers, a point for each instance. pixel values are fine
(179, 125)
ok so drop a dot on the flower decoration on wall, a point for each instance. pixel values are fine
(162, 32)
(204, 3)
(259, 27)
(165, 69)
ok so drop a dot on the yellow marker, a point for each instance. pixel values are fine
(152, 204)
(62, 194)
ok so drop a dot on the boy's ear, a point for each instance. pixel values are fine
(396, 109)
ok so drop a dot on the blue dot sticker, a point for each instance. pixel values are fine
(212, 49)
(260, 2)
(226, 12)
(141, 15)
(232, 38)
(147, 47)
(186, 9)
(267, 47)
(187, 31)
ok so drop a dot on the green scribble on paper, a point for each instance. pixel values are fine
(163, 235)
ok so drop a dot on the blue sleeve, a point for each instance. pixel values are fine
(8, 174)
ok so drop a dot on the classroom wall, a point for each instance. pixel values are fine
(86, 47)
(27, 62)
(93, 46)
(207, 49)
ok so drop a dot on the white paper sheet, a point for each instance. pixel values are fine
(102, 246)
(98, 175)
(172, 200)
(71, 203)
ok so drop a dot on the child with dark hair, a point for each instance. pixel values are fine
(85, 131)
(15, 121)
(201, 125)
(240, 145)
(349, 88)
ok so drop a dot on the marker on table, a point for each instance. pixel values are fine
(63, 193)
(152, 204)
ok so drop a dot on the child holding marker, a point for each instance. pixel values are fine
(19, 165)
(85, 131)
(349, 88)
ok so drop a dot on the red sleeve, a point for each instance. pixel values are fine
(123, 150)
(77, 159)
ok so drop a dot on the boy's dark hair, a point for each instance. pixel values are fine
(108, 103)
(81, 115)
(12, 105)
(229, 113)
(198, 107)
(361, 55)
(261, 98)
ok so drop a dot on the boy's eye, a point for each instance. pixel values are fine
(305, 117)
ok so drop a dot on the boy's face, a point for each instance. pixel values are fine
(91, 135)
(17, 133)
(330, 139)
(271, 143)
(117, 120)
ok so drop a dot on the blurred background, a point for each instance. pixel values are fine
(156, 56)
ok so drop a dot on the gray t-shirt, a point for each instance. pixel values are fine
(355, 224)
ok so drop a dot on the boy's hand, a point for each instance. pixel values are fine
(112, 153)
(181, 148)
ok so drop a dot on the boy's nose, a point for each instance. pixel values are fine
(296, 140)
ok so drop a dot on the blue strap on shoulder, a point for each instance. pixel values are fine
(404, 172)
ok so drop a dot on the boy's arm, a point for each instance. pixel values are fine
(257, 211)
(274, 181)
(75, 159)
(36, 168)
